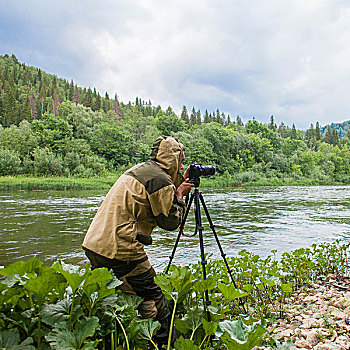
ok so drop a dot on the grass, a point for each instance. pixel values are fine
(13, 183)
(55, 183)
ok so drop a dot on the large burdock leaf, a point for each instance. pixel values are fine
(176, 284)
(101, 281)
(9, 339)
(230, 292)
(143, 330)
(238, 336)
(53, 314)
(73, 274)
(203, 285)
(21, 267)
(62, 339)
(44, 283)
(185, 344)
(191, 321)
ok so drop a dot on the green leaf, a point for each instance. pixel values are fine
(238, 336)
(44, 283)
(202, 285)
(230, 292)
(209, 327)
(287, 287)
(21, 268)
(62, 339)
(53, 314)
(147, 329)
(185, 344)
(73, 274)
(191, 321)
(163, 281)
(9, 339)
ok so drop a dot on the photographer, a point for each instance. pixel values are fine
(149, 194)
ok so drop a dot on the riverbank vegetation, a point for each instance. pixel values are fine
(52, 127)
(70, 307)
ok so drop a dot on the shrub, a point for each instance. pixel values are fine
(10, 162)
(47, 163)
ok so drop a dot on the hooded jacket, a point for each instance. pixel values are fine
(141, 199)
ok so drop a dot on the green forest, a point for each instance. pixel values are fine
(52, 127)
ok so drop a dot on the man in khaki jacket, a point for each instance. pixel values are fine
(149, 194)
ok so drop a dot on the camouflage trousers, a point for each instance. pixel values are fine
(138, 279)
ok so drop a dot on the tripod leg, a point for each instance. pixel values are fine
(182, 225)
(201, 244)
(223, 255)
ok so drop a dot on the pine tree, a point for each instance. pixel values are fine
(239, 121)
(97, 103)
(272, 125)
(89, 99)
(55, 103)
(293, 134)
(106, 103)
(116, 107)
(218, 117)
(9, 104)
(71, 91)
(206, 117)
(184, 115)
(193, 117)
(317, 131)
(76, 95)
(198, 117)
(32, 106)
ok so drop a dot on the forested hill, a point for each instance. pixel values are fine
(51, 126)
(342, 129)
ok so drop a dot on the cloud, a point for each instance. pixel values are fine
(251, 58)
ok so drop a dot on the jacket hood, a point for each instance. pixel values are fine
(167, 152)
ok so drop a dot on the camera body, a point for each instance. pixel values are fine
(197, 170)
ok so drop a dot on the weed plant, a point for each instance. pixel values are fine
(70, 307)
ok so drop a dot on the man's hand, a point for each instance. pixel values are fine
(187, 172)
(184, 189)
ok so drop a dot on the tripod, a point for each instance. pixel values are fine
(198, 198)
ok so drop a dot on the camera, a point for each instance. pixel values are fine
(197, 170)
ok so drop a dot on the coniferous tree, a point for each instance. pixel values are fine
(71, 91)
(193, 117)
(317, 131)
(89, 98)
(239, 121)
(198, 117)
(184, 115)
(9, 104)
(116, 107)
(218, 117)
(76, 95)
(206, 117)
(272, 125)
(293, 134)
(106, 103)
(32, 106)
(97, 103)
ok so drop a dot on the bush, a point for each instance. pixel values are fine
(10, 162)
(47, 163)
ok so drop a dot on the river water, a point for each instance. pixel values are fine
(52, 224)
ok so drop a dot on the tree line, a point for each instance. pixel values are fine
(50, 126)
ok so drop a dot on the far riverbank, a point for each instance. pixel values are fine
(12, 183)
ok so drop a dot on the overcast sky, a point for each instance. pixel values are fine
(253, 58)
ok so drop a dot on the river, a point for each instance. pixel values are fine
(51, 224)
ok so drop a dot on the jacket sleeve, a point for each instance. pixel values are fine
(167, 208)
(173, 220)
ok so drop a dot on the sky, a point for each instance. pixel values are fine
(256, 58)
